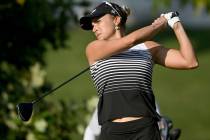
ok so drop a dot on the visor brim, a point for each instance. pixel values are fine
(86, 21)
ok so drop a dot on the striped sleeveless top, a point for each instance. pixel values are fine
(119, 81)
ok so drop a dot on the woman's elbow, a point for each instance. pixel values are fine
(193, 65)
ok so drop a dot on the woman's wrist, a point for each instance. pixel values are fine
(177, 26)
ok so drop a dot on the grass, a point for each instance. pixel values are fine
(183, 95)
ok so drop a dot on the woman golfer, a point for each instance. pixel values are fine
(121, 67)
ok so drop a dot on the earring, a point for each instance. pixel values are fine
(117, 27)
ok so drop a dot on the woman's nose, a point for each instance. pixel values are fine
(94, 28)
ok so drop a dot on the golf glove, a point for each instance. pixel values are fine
(172, 18)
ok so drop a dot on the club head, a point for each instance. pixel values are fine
(25, 111)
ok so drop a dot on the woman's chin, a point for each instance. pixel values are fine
(100, 38)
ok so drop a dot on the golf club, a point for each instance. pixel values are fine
(25, 109)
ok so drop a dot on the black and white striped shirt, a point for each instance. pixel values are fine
(129, 70)
(119, 80)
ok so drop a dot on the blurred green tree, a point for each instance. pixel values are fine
(197, 4)
(27, 28)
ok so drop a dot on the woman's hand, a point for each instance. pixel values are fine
(160, 23)
(172, 18)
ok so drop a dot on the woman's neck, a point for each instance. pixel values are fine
(117, 35)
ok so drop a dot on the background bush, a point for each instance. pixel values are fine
(28, 28)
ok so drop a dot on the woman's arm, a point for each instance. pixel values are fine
(100, 49)
(183, 58)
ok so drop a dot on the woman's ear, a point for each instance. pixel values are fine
(117, 20)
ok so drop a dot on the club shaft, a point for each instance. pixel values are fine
(64, 83)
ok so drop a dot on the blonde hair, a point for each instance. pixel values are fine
(123, 12)
(126, 10)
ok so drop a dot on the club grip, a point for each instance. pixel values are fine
(175, 14)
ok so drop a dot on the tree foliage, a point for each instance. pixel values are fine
(197, 4)
(27, 28)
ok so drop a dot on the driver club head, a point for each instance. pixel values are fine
(25, 111)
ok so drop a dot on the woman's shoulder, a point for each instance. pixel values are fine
(152, 44)
(93, 43)
(154, 48)
(93, 49)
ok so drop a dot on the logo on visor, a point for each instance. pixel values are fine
(93, 11)
(113, 12)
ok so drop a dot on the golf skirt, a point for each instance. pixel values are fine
(142, 129)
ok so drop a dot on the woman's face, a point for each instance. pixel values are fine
(104, 27)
